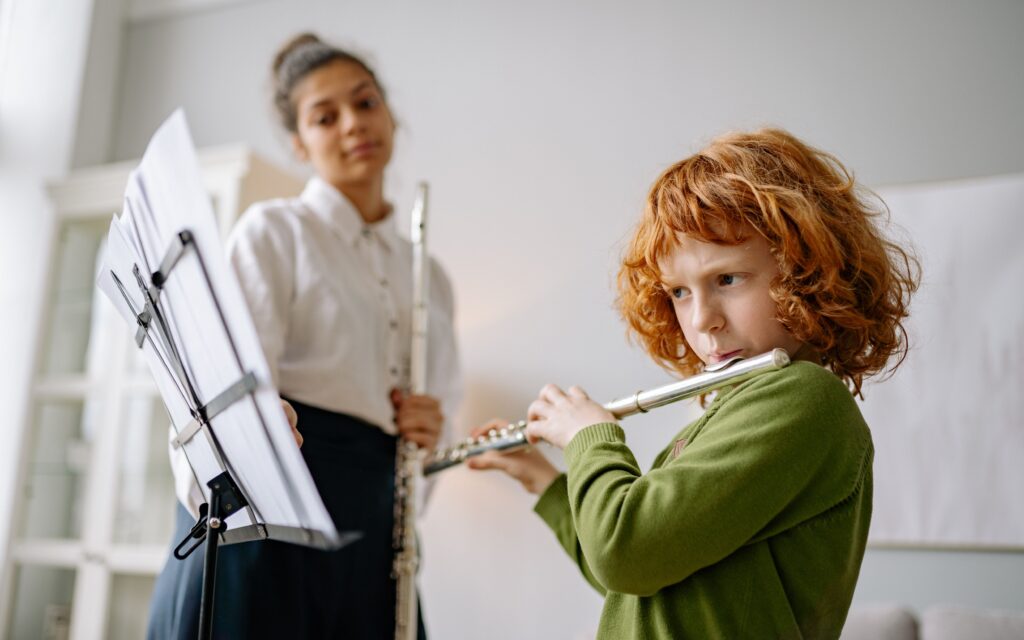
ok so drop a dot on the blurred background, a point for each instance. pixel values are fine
(539, 126)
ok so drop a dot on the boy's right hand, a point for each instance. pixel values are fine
(528, 466)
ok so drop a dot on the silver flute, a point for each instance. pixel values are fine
(407, 458)
(722, 374)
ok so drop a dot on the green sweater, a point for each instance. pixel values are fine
(756, 529)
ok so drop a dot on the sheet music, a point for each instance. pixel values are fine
(210, 340)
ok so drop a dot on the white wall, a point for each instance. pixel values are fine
(540, 126)
(41, 71)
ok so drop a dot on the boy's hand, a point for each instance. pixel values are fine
(293, 420)
(418, 418)
(557, 416)
(528, 466)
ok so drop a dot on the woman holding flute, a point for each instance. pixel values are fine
(329, 283)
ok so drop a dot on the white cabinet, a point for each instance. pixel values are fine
(95, 505)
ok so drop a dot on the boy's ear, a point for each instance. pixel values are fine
(299, 149)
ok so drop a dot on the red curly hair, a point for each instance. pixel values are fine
(843, 288)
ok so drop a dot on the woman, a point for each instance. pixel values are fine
(329, 283)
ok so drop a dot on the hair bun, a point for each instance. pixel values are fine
(299, 41)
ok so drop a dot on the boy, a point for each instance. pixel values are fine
(753, 520)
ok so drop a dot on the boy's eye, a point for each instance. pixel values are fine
(368, 103)
(728, 279)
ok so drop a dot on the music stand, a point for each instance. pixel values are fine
(228, 432)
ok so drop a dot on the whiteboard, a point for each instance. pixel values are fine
(949, 425)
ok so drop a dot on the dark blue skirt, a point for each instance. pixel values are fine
(270, 589)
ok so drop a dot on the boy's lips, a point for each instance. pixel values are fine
(719, 356)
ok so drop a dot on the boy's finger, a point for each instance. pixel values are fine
(494, 424)
(552, 393)
(576, 392)
(539, 410)
(489, 460)
(534, 431)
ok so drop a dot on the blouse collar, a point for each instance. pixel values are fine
(331, 206)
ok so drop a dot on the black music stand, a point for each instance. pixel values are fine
(226, 496)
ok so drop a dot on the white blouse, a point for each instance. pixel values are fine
(331, 297)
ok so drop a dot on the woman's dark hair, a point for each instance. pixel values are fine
(296, 59)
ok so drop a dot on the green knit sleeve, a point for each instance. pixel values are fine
(771, 453)
(553, 508)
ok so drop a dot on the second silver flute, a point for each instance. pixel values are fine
(407, 458)
(714, 377)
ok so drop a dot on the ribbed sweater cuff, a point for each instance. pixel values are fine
(594, 434)
(550, 505)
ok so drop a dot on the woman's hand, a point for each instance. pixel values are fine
(418, 418)
(557, 416)
(293, 420)
(529, 466)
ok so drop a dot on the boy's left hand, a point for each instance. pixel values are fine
(557, 416)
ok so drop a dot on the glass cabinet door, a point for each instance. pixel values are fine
(145, 488)
(66, 423)
(42, 602)
(54, 484)
(129, 606)
(70, 304)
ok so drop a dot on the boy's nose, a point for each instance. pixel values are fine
(707, 316)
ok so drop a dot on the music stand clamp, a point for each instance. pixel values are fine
(225, 499)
